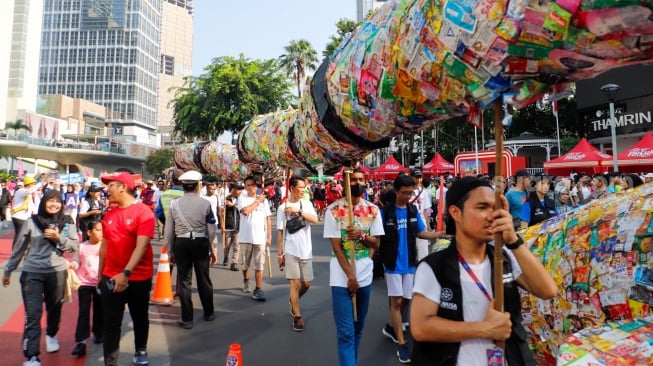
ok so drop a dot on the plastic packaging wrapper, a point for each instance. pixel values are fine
(265, 140)
(187, 156)
(417, 62)
(601, 257)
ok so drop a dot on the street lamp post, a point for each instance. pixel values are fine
(610, 91)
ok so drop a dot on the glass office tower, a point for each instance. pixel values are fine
(108, 52)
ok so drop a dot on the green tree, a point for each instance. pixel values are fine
(299, 58)
(159, 161)
(227, 95)
(343, 26)
(17, 125)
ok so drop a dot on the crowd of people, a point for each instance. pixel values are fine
(382, 230)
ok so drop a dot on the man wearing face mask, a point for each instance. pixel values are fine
(346, 281)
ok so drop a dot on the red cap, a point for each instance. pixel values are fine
(122, 177)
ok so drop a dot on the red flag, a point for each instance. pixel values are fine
(475, 116)
(554, 108)
(439, 224)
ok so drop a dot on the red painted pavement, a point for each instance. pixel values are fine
(11, 332)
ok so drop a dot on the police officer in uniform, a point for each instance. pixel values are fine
(190, 228)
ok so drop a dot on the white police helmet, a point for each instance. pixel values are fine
(191, 176)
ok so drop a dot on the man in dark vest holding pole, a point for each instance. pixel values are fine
(402, 225)
(453, 321)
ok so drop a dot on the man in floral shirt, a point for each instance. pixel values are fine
(346, 281)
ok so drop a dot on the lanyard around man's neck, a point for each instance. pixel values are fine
(473, 276)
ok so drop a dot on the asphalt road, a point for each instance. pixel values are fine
(263, 329)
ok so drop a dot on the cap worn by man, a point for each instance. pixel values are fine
(417, 173)
(191, 176)
(522, 173)
(122, 177)
(95, 188)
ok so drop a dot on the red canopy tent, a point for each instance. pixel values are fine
(390, 169)
(637, 157)
(367, 171)
(437, 165)
(582, 156)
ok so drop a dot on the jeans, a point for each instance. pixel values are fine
(37, 288)
(189, 254)
(348, 332)
(88, 295)
(137, 298)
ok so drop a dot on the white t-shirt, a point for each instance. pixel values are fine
(253, 227)
(475, 304)
(19, 198)
(364, 266)
(213, 200)
(422, 200)
(299, 243)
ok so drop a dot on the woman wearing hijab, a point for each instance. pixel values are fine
(563, 201)
(41, 241)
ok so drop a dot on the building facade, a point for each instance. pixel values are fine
(107, 52)
(176, 60)
(364, 7)
(20, 34)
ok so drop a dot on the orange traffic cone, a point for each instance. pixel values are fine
(235, 355)
(162, 294)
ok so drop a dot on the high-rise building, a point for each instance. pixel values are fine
(364, 7)
(20, 34)
(108, 52)
(176, 59)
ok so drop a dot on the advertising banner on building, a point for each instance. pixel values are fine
(42, 127)
(630, 118)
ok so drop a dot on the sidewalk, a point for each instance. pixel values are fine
(12, 321)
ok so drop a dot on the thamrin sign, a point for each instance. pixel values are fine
(597, 121)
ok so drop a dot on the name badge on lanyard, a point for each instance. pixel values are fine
(495, 356)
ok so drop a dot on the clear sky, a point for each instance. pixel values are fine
(260, 29)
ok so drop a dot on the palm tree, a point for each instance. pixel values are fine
(18, 125)
(300, 57)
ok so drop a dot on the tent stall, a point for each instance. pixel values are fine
(438, 165)
(369, 174)
(390, 169)
(637, 159)
(583, 157)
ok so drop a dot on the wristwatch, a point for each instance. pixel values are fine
(516, 244)
(127, 272)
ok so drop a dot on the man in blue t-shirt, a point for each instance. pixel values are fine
(402, 224)
(517, 195)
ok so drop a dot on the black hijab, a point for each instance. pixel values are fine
(43, 219)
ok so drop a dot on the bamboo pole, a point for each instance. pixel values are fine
(283, 232)
(350, 221)
(498, 238)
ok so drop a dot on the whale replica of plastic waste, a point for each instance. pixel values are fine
(416, 62)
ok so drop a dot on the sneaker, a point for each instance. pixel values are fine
(140, 358)
(403, 354)
(97, 339)
(246, 286)
(298, 324)
(224, 264)
(51, 344)
(405, 325)
(390, 333)
(258, 295)
(34, 361)
(233, 267)
(209, 318)
(80, 349)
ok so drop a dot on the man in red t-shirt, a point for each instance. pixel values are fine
(126, 267)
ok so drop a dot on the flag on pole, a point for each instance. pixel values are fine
(554, 108)
(475, 116)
